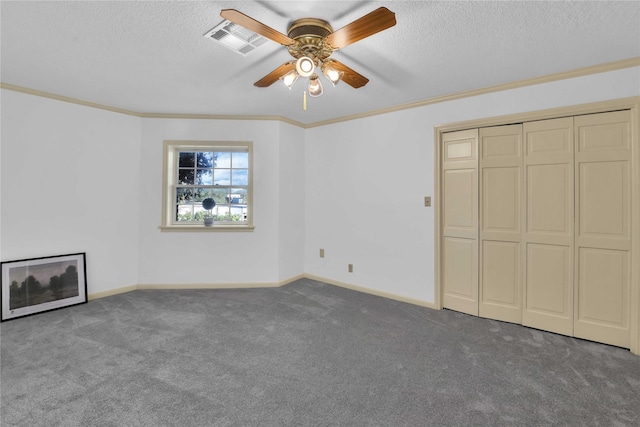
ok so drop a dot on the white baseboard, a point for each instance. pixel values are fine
(375, 292)
(112, 292)
(253, 285)
(176, 286)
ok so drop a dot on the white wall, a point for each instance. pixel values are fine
(357, 193)
(70, 183)
(108, 166)
(224, 257)
(292, 201)
(366, 183)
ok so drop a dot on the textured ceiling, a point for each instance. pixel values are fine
(151, 56)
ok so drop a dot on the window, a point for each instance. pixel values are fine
(199, 170)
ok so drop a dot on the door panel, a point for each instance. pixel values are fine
(501, 215)
(460, 149)
(603, 227)
(549, 200)
(460, 274)
(500, 270)
(501, 200)
(548, 236)
(549, 141)
(604, 204)
(498, 145)
(604, 132)
(460, 213)
(460, 221)
(604, 280)
(549, 302)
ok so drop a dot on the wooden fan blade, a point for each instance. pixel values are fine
(273, 76)
(374, 22)
(350, 77)
(256, 26)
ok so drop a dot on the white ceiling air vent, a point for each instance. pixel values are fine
(235, 37)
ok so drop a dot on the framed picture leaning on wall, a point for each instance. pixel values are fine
(35, 285)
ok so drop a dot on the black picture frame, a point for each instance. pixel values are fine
(35, 285)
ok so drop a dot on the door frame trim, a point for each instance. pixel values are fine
(632, 104)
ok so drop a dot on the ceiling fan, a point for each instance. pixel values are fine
(311, 41)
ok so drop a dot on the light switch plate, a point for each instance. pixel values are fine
(427, 201)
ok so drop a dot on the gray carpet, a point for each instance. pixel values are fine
(306, 354)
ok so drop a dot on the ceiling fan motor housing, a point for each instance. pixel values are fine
(310, 34)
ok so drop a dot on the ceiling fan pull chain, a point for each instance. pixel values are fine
(304, 101)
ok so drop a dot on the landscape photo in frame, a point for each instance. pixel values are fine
(35, 285)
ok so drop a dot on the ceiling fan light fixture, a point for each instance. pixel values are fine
(289, 79)
(333, 75)
(305, 66)
(315, 87)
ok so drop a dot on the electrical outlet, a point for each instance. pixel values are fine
(350, 268)
(427, 201)
(321, 253)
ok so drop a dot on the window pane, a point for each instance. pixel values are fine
(201, 194)
(184, 195)
(205, 160)
(199, 212)
(238, 213)
(184, 211)
(238, 196)
(223, 160)
(221, 177)
(240, 176)
(187, 160)
(185, 177)
(240, 160)
(220, 195)
(204, 177)
(222, 213)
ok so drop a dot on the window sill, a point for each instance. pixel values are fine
(202, 228)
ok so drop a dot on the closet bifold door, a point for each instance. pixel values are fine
(603, 227)
(548, 233)
(459, 251)
(501, 188)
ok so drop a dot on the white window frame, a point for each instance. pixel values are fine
(170, 180)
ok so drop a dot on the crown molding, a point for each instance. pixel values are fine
(57, 97)
(62, 98)
(219, 117)
(595, 69)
